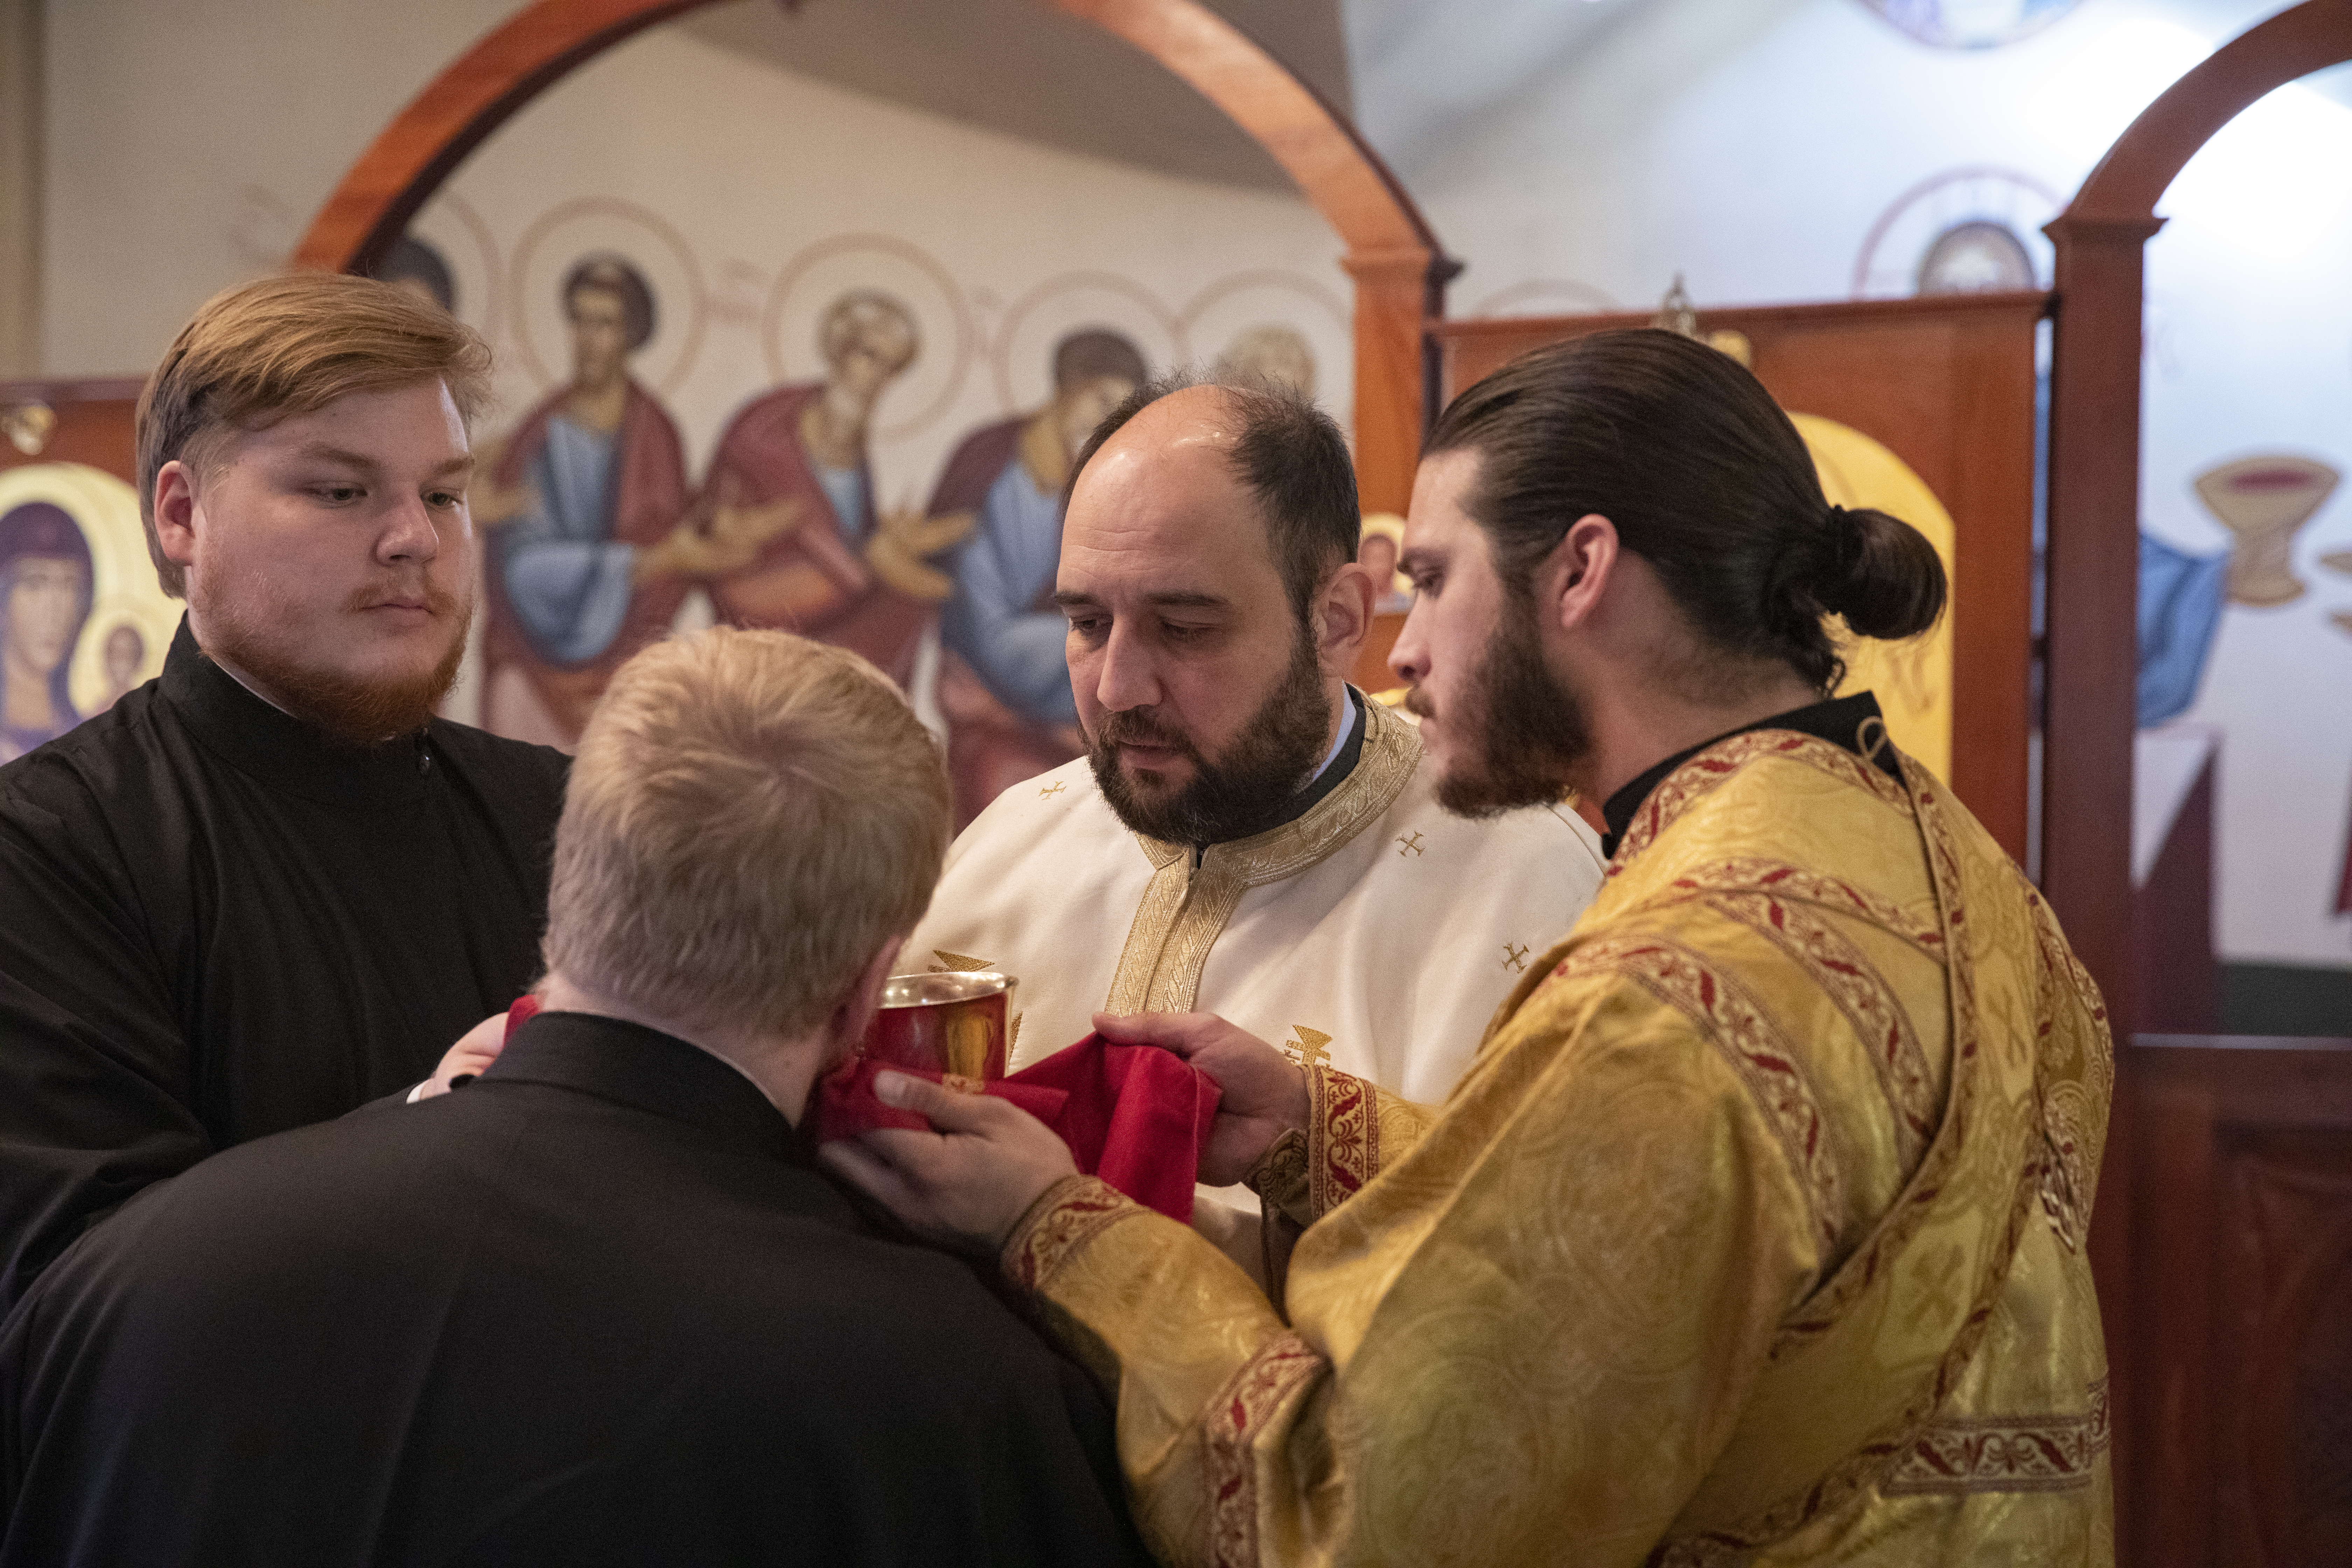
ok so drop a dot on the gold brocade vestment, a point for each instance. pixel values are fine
(1753, 1233)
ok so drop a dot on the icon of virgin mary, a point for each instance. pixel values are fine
(45, 594)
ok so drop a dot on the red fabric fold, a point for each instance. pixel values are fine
(1134, 1115)
(847, 1105)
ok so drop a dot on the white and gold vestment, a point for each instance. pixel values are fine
(1375, 934)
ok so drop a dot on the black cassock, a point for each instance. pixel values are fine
(596, 1308)
(215, 925)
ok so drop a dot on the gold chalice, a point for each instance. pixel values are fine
(2263, 500)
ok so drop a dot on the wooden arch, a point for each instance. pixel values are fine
(2095, 424)
(2088, 723)
(1399, 268)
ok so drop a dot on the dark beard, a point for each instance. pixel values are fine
(1524, 733)
(349, 711)
(1246, 787)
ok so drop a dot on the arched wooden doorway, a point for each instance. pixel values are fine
(2095, 461)
(1399, 270)
(2207, 1300)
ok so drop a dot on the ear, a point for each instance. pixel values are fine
(857, 1007)
(175, 512)
(1342, 618)
(1574, 578)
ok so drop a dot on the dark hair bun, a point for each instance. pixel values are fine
(1883, 576)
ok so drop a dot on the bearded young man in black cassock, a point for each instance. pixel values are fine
(598, 1306)
(269, 885)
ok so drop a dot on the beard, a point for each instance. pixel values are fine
(1248, 785)
(1523, 735)
(353, 711)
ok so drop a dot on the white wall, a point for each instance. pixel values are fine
(189, 142)
(1759, 146)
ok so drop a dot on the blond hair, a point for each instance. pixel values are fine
(750, 817)
(284, 346)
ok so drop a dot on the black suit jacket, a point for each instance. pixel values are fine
(596, 1308)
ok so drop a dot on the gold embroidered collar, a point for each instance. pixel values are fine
(1185, 907)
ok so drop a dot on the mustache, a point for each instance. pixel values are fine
(1141, 727)
(438, 602)
(1418, 704)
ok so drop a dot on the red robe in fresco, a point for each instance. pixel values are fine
(813, 580)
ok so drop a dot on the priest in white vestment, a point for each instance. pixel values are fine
(1249, 835)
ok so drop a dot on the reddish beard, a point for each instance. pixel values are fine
(351, 709)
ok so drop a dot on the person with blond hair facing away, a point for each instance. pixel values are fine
(598, 1306)
(269, 885)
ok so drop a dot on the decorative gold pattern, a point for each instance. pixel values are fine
(1705, 773)
(2004, 1453)
(1310, 1050)
(1515, 956)
(961, 963)
(1870, 1006)
(1740, 1028)
(1924, 1195)
(1743, 873)
(1343, 1132)
(1069, 1214)
(1674, 1139)
(1411, 846)
(1185, 907)
(1248, 1403)
(1280, 1180)
(1053, 789)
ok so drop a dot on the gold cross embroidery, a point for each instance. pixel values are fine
(1412, 844)
(1515, 957)
(1055, 788)
(1307, 1048)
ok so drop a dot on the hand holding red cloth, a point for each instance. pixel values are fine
(1134, 1115)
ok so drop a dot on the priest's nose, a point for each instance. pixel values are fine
(1128, 675)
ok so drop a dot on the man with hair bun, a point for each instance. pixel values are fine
(598, 1306)
(270, 885)
(1755, 1232)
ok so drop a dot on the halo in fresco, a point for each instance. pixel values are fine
(1897, 251)
(1971, 24)
(1975, 258)
(1022, 357)
(559, 238)
(123, 590)
(823, 272)
(1255, 307)
(450, 225)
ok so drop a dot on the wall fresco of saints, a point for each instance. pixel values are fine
(598, 539)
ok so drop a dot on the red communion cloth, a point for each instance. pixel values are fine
(1133, 1115)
